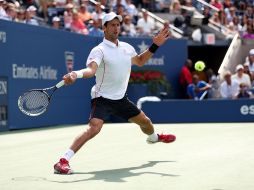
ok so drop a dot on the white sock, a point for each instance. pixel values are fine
(153, 137)
(68, 154)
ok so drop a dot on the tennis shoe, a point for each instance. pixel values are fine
(168, 138)
(62, 167)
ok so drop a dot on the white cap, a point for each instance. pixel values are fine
(238, 67)
(69, 6)
(31, 8)
(56, 19)
(110, 16)
(251, 52)
(246, 64)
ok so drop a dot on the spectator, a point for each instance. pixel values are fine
(244, 91)
(216, 18)
(250, 60)
(230, 14)
(11, 12)
(30, 14)
(60, 3)
(248, 14)
(131, 9)
(246, 69)
(175, 15)
(227, 4)
(68, 13)
(118, 3)
(120, 10)
(95, 30)
(84, 15)
(128, 28)
(77, 25)
(217, 4)
(231, 31)
(163, 5)
(56, 22)
(98, 13)
(3, 13)
(237, 25)
(207, 15)
(145, 25)
(229, 88)
(241, 77)
(21, 16)
(89, 6)
(196, 89)
(185, 78)
(249, 34)
(213, 80)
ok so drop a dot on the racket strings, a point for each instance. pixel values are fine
(34, 102)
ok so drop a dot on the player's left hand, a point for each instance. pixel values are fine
(162, 36)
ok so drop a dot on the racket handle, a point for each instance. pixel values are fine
(60, 84)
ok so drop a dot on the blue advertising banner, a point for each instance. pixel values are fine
(205, 111)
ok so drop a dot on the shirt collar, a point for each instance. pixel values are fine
(111, 44)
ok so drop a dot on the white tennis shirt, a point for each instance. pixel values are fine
(114, 68)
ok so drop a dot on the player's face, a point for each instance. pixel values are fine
(112, 30)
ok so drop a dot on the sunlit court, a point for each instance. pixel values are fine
(126, 95)
(214, 156)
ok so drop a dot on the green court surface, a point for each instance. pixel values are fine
(204, 157)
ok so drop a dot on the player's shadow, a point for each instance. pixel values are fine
(118, 175)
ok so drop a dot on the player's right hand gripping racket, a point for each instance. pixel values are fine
(35, 101)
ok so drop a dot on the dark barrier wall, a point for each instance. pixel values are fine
(35, 57)
(180, 111)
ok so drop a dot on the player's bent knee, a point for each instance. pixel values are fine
(94, 130)
(146, 121)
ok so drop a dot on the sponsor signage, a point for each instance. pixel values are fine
(3, 103)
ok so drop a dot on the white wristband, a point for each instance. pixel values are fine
(79, 73)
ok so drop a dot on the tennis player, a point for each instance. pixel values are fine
(111, 63)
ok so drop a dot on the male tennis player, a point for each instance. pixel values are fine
(111, 62)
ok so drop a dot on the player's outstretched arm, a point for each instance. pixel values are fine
(158, 40)
(88, 72)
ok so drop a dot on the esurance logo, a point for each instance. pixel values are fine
(157, 61)
(3, 87)
(247, 110)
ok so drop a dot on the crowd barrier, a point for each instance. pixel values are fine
(205, 111)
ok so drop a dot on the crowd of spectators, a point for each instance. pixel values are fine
(234, 85)
(81, 16)
(84, 17)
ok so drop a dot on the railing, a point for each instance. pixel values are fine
(178, 33)
(208, 5)
(161, 21)
(231, 51)
(95, 2)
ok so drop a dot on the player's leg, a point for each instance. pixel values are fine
(146, 126)
(144, 122)
(97, 117)
(94, 127)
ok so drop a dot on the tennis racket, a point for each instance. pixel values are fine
(36, 101)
